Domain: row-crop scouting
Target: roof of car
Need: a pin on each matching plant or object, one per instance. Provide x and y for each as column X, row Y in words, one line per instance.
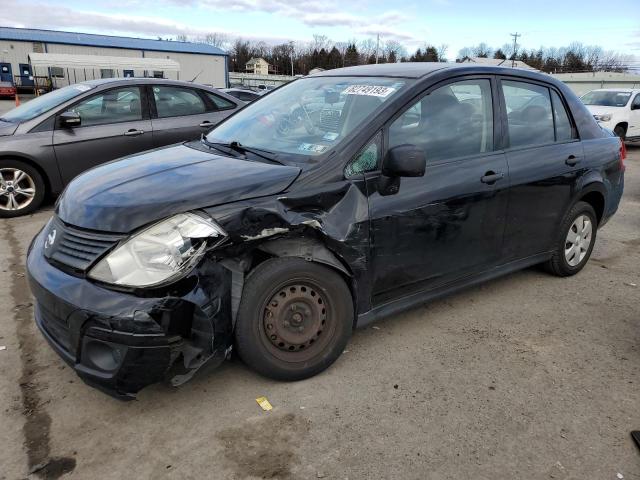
column 124, row 80
column 415, row 69
column 625, row 90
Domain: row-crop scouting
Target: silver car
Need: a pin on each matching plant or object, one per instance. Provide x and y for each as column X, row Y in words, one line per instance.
column 46, row 142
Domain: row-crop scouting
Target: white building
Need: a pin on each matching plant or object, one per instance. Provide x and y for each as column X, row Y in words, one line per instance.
column 187, row 61
column 584, row 82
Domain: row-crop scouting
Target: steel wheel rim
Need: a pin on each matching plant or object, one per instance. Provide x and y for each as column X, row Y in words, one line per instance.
column 17, row 189
column 297, row 321
column 578, row 241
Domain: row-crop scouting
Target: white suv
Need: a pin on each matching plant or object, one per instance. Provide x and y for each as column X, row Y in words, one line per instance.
column 617, row 109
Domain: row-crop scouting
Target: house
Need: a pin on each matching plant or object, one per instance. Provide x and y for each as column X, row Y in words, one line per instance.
column 497, row 62
column 259, row 66
column 113, row 56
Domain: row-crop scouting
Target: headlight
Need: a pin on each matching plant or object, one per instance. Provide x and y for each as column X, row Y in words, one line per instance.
column 605, row 117
column 159, row 253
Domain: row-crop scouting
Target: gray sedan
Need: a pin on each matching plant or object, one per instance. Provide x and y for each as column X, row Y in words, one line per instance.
column 48, row 141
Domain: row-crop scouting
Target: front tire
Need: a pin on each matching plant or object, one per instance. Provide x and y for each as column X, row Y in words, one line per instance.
column 21, row 188
column 294, row 320
column 576, row 239
column 620, row 131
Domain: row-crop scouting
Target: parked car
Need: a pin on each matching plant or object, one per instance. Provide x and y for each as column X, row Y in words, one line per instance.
column 243, row 94
column 7, row 90
column 49, row 140
column 280, row 232
column 617, row 109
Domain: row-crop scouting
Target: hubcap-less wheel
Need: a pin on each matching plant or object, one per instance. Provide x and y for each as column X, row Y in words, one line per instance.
column 295, row 321
column 578, row 240
column 17, row 189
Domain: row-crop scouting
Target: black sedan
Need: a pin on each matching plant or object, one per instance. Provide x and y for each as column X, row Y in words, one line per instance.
column 335, row 200
column 49, row 140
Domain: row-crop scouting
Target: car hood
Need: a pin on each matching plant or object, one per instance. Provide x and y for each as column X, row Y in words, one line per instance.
column 126, row 194
column 7, row 128
column 600, row 110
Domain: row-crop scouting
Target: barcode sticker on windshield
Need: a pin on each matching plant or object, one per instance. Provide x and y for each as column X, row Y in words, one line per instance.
column 371, row 90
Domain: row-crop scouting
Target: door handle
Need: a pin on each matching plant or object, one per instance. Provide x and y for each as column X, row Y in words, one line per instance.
column 491, row 177
column 133, row 132
column 572, row 160
column 206, row 123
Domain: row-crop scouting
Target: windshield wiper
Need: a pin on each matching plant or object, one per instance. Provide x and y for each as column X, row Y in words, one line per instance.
column 238, row 147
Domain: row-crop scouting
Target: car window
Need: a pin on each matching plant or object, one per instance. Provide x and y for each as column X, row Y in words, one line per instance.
column 529, row 114
column 113, row 106
column 636, row 101
column 455, row 120
column 606, row 98
column 177, row 101
column 368, row 159
column 246, row 96
column 564, row 131
column 219, row 102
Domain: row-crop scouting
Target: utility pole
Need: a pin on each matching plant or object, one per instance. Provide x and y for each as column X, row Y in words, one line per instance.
column 377, row 47
column 291, row 51
column 515, row 47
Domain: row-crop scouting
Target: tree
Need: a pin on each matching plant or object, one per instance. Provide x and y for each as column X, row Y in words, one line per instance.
column 351, row 56
column 499, row 54
column 216, row 39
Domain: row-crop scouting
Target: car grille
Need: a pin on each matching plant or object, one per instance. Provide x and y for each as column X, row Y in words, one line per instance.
column 56, row 327
column 75, row 248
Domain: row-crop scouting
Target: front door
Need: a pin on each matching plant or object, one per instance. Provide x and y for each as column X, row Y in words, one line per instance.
column 182, row 114
column 6, row 74
column 634, row 117
column 545, row 158
column 114, row 124
column 26, row 77
column 429, row 231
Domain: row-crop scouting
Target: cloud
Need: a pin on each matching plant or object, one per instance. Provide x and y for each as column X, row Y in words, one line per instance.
column 311, row 13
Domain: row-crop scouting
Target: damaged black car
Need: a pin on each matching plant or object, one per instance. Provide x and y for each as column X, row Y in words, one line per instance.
column 333, row 201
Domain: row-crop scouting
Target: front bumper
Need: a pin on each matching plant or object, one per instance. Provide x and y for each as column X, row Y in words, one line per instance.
column 119, row 342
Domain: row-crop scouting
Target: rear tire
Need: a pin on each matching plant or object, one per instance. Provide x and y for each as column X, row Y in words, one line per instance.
column 576, row 238
column 294, row 320
column 21, row 188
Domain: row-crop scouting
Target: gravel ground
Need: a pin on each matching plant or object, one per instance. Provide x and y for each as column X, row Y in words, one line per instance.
column 528, row 376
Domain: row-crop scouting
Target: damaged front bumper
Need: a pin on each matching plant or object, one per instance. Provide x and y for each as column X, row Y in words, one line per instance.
column 120, row 342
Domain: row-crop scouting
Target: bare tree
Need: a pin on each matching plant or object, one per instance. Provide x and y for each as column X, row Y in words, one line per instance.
column 181, row 38
column 217, row 39
column 442, row 52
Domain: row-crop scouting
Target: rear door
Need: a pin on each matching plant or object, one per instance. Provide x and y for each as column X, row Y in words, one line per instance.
column 183, row 113
column 114, row 123
column 545, row 158
column 429, row 231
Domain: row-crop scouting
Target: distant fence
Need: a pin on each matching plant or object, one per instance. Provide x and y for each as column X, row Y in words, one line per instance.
column 253, row 80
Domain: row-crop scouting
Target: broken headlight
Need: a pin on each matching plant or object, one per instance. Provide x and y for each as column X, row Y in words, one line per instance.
column 158, row 254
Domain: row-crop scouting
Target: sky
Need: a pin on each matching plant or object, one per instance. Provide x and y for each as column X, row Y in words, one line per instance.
column 455, row 23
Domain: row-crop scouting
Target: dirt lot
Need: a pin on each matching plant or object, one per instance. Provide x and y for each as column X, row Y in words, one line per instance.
column 525, row 377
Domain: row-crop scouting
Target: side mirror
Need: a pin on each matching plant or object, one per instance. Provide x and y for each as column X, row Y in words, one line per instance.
column 404, row 161
column 70, row 119
column 635, row 106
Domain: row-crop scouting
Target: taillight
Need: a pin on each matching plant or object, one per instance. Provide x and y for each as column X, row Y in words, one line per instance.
column 623, row 154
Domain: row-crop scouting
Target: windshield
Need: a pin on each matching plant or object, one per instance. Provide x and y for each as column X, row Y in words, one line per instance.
column 307, row 117
column 606, row 99
column 44, row 103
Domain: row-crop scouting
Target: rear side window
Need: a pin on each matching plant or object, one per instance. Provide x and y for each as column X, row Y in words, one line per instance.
column 219, row 102
column 564, row 131
column 112, row 106
column 529, row 114
column 177, row 102
column 453, row 121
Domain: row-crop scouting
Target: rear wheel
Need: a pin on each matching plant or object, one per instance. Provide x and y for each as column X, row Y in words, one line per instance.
column 576, row 239
column 21, row 188
column 294, row 320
